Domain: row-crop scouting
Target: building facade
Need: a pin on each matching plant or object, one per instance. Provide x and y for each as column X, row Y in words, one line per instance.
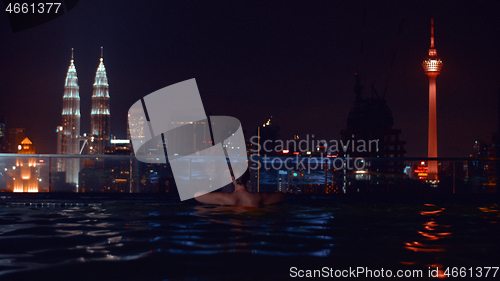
column 99, row 137
column 69, row 142
column 25, row 175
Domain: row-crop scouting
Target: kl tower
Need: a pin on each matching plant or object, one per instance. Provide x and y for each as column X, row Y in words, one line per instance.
column 432, row 66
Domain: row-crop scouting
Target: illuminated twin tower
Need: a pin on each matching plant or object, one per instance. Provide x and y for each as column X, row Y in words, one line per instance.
column 69, row 139
column 432, row 66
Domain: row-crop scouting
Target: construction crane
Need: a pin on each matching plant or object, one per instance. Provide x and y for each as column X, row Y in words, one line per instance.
column 400, row 30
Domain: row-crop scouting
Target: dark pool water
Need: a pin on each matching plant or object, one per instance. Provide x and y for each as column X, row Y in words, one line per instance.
column 115, row 240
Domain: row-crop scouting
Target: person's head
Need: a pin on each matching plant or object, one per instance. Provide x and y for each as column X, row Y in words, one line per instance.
column 244, row 178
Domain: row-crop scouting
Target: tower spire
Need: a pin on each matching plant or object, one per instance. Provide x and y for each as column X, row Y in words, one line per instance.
column 432, row 33
column 100, row 111
column 71, row 53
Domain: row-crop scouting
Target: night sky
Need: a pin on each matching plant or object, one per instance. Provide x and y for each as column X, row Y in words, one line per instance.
column 293, row 60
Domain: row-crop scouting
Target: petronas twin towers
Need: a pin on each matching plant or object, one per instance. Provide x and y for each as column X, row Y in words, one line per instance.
column 99, row 126
column 69, row 139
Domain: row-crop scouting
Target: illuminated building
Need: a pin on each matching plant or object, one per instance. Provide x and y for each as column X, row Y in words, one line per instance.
column 432, row 66
column 60, row 135
column 135, row 127
column 25, row 179
column 121, row 168
column 137, row 121
column 100, row 126
column 60, row 164
column 189, row 136
column 70, row 137
column 263, row 145
column 267, row 134
column 479, row 169
column 120, row 147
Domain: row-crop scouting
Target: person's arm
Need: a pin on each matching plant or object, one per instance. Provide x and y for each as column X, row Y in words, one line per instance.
column 217, row 198
column 273, row 198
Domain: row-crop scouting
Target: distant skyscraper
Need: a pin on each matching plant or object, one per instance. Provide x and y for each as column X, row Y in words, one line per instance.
column 432, row 66
column 137, row 121
column 70, row 139
column 267, row 135
column 371, row 121
column 100, row 116
column 60, row 164
column 264, row 145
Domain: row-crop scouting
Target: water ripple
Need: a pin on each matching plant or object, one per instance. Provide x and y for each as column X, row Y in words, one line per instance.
column 37, row 237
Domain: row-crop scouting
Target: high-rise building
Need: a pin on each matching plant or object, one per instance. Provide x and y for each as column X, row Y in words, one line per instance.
column 371, row 134
column 263, row 144
column 70, row 139
column 60, row 163
column 188, row 137
column 135, row 126
column 100, row 116
column 267, row 135
column 432, row 66
column 60, row 134
column 479, row 170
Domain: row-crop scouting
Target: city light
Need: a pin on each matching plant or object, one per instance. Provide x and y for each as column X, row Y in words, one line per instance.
column 120, row 141
column 432, row 65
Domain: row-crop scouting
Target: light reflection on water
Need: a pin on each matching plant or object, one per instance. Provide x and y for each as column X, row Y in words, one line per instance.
column 438, row 241
column 375, row 235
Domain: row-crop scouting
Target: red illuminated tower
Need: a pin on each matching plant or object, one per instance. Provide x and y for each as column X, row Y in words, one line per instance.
column 432, row 66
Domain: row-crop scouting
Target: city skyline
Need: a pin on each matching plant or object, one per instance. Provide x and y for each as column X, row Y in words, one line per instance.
column 294, row 62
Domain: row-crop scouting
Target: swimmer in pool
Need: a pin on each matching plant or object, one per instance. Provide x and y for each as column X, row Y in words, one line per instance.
column 240, row 196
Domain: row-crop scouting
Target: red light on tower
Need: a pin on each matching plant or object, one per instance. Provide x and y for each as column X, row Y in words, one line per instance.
column 432, row 66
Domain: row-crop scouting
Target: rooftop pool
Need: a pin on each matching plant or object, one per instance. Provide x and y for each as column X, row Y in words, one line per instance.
column 139, row 238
